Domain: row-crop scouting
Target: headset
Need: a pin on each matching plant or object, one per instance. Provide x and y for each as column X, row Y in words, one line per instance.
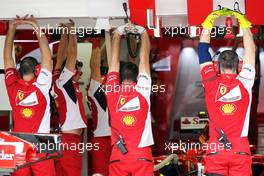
column 35, row 67
column 216, row 63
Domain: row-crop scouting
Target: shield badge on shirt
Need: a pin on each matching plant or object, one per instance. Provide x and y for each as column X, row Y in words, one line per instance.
column 20, row 95
column 223, row 90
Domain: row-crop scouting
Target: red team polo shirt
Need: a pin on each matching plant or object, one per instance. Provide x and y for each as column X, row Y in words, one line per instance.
column 30, row 101
column 228, row 99
column 69, row 99
column 99, row 111
column 129, row 107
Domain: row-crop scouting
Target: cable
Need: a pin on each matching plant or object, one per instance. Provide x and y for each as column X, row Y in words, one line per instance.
column 165, row 161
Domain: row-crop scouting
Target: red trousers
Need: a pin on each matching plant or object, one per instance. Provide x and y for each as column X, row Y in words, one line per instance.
column 101, row 157
column 43, row 168
column 70, row 164
column 134, row 163
column 228, row 164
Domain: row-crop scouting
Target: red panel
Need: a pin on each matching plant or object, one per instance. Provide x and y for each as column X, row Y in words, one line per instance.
column 3, row 27
column 198, row 11
column 7, row 156
column 254, row 11
column 138, row 11
column 23, row 48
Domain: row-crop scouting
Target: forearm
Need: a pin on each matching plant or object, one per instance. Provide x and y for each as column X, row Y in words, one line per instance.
column 114, row 60
column 95, row 64
column 71, row 52
column 249, row 46
column 8, row 59
column 203, row 48
column 62, row 50
column 144, row 65
column 205, row 36
column 46, row 61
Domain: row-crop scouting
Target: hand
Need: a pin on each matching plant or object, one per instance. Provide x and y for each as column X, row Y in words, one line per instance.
column 210, row 19
column 31, row 21
column 68, row 25
column 129, row 27
column 17, row 21
column 243, row 21
column 135, row 29
column 121, row 29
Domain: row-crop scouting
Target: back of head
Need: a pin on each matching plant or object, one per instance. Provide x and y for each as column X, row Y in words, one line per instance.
column 28, row 66
column 128, row 71
column 228, row 60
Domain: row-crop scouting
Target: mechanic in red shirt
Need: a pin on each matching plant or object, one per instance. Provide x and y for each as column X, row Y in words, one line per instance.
column 28, row 91
column 99, row 112
column 69, row 100
column 228, row 100
column 128, row 90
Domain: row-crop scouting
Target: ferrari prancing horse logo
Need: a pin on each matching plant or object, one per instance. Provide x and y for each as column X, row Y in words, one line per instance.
column 20, row 95
column 223, row 90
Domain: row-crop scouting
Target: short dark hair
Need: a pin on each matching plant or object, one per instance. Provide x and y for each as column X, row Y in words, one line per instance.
column 28, row 65
column 128, row 71
column 228, row 59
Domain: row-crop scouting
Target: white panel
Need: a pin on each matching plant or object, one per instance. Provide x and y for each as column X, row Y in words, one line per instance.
column 4, row 103
column 229, row 4
column 171, row 7
column 84, row 55
column 169, row 21
column 2, row 42
column 62, row 8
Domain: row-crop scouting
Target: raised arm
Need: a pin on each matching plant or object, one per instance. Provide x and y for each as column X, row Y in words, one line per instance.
column 8, row 59
column 95, row 64
column 62, row 50
column 71, row 52
column 250, row 49
column 248, row 41
column 46, row 61
column 203, row 48
column 114, row 63
column 144, row 66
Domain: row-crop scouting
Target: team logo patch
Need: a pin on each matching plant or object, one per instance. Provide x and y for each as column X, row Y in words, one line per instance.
column 228, row 94
column 128, row 103
column 26, row 98
column 228, row 109
column 129, row 120
column 27, row 113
